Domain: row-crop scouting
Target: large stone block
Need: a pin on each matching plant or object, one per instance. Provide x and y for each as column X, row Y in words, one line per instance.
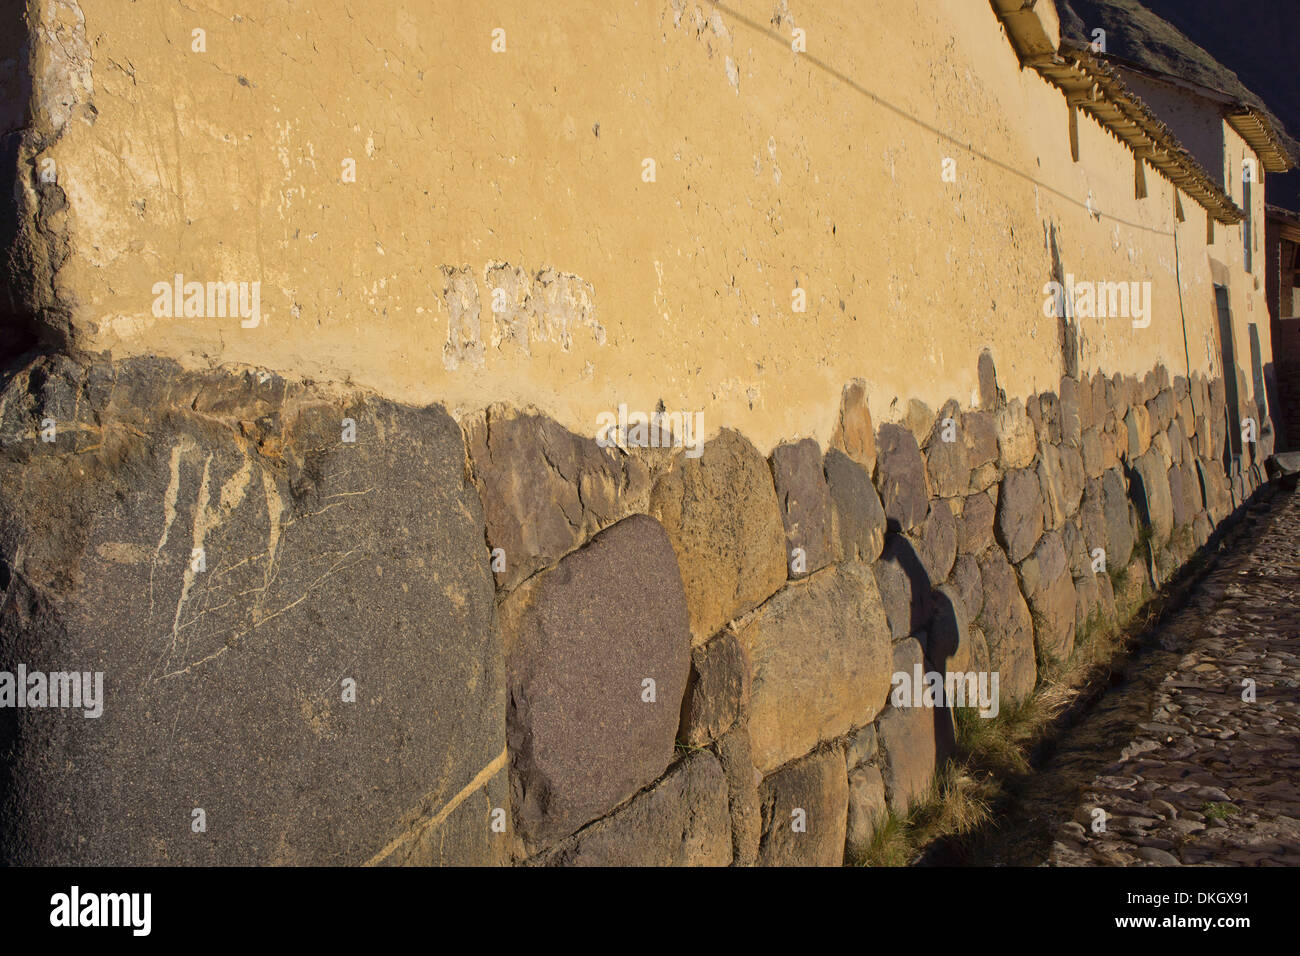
column 859, row 516
column 854, row 434
column 236, row 568
column 1184, row 494
column 1149, row 485
column 805, row 812
column 965, row 578
column 1138, row 425
column 546, row 490
column 914, row 739
column 949, row 622
column 736, row 755
column 937, row 541
column 1071, row 424
column 1017, row 441
column 718, row 691
column 900, row 477
column 1120, row 537
column 946, row 460
column 991, row 396
column 904, row 587
column 805, row 503
column 1072, row 479
column 721, row 513
column 1051, row 483
column 1007, row 626
column 1094, row 456
column 681, row 821
column 1049, row 590
column 1045, row 412
column 1214, row 489
column 975, row 526
column 867, row 809
column 1020, row 513
column 582, row 640
column 1092, row 518
column 979, row 432
column 819, row 653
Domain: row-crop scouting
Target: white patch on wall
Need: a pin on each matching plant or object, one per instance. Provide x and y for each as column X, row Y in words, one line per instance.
column 524, row 310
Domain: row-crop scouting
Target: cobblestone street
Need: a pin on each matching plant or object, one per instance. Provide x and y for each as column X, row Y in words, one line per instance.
column 1211, row 776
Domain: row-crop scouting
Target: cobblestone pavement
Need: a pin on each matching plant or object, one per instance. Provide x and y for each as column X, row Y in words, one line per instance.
column 1212, row 777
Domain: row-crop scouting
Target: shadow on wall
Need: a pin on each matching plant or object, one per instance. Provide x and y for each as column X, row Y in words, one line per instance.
column 917, row 608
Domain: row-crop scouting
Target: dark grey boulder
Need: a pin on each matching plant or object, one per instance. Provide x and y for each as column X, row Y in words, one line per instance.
column 584, row 639
column 214, row 545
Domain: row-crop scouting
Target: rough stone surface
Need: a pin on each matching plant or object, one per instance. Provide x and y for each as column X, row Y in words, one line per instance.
column 1019, row 521
column 867, row 808
column 819, row 653
column 1138, row 424
column 859, row 516
column 1149, row 484
column 582, row 737
column 718, row 690
column 949, row 620
column 1071, row 424
column 979, row 432
column 904, row 587
column 860, row 747
column 1092, row 518
column 1050, row 481
column 1049, row 590
column 1184, row 490
column 1007, row 626
column 900, row 477
column 965, row 578
column 1072, row 479
column 1094, row 458
column 937, row 541
column 1049, row 418
column 721, row 513
column 818, row 786
column 1017, row 441
column 1120, row 537
column 990, row 395
column 682, row 820
column 854, row 434
column 1191, row 774
column 546, row 490
column 975, row 526
column 321, row 560
column 947, row 462
column 1214, row 489
column 736, row 756
column 914, row 740
column 805, row 503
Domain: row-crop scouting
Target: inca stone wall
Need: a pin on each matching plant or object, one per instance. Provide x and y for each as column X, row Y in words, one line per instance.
column 308, row 320
column 558, row 653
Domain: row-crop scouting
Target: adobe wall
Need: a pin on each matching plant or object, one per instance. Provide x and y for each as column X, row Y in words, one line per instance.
column 385, row 485
column 522, row 171
column 558, row 653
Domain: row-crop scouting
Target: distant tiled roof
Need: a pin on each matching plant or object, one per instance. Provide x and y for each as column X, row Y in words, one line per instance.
column 1094, row 86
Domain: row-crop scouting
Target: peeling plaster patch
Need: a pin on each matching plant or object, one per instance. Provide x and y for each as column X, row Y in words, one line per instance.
column 549, row 306
column 508, row 290
column 64, row 61
column 460, row 299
